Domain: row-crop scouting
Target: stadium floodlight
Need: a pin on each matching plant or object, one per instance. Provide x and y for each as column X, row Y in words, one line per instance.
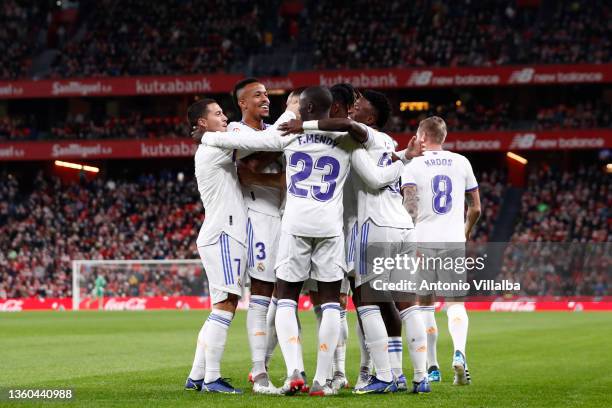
column 516, row 157
column 77, row 166
column 95, row 281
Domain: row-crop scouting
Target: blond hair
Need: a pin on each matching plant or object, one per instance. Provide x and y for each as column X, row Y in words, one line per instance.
column 433, row 129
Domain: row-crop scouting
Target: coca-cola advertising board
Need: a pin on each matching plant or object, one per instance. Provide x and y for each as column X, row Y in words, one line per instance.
column 526, row 304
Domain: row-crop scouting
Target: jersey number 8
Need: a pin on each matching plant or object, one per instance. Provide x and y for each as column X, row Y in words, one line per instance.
column 442, row 187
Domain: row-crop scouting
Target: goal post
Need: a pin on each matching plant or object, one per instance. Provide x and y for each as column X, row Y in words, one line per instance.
column 103, row 280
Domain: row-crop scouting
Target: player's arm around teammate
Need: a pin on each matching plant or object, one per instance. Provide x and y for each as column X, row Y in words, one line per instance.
column 220, row 244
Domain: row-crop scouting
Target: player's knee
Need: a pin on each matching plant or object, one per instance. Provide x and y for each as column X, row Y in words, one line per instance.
column 288, row 290
column 329, row 292
column 261, row 288
column 229, row 304
column 405, row 304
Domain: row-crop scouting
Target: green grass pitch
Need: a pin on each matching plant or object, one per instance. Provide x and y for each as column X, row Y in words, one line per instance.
column 141, row 359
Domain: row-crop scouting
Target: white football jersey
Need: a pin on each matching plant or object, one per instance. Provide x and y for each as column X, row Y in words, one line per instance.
column 442, row 178
column 215, row 171
column 383, row 206
column 266, row 200
column 349, row 202
column 317, row 168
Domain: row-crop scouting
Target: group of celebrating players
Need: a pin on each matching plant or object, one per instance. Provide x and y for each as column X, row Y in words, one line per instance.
column 295, row 206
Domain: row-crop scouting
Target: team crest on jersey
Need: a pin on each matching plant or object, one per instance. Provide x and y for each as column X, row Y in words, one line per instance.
column 385, row 160
column 261, row 267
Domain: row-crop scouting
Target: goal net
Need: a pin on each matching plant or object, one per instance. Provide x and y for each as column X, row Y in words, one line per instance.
column 139, row 284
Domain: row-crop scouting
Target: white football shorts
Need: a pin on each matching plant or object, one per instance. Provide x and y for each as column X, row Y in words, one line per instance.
column 300, row 258
column 263, row 233
column 377, row 242
column 225, row 264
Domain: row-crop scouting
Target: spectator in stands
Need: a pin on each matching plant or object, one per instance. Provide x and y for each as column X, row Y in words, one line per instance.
column 41, row 232
column 460, row 116
column 477, row 116
column 118, row 38
column 559, row 244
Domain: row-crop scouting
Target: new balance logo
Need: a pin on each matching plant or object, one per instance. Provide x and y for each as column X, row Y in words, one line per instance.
column 420, row 78
column 523, row 141
column 522, row 76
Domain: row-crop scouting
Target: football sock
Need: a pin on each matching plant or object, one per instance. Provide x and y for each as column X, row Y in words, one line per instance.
column 198, row 369
column 256, row 330
column 431, row 328
column 458, row 325
column 299, row 323
column 271, row 339
column 215, row 337
column 288, row 334
column 395, row 355
column 328, row 340
column 416, row 339
column 376, row 340
column 364, row 354
column 318, row 314
column 340, row 354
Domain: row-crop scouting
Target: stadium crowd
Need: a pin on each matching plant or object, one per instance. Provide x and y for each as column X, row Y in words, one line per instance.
column 135, row 126
column 22, row 21
column 476, row 116
column 45, row 229
column 561, row 243
column 136, row 37
column 492, row 185
column 465, row 116
column 366, row 33
column 144, row 280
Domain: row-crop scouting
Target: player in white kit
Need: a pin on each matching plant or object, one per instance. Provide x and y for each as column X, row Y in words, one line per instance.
column 383, row 219
column 435, row 188
column 262, row 198
column 344, row 96
column 312, row 242
column 221, row 244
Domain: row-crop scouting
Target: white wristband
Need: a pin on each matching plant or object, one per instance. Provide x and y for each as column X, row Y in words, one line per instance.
column 402, row 156
column 310, row 125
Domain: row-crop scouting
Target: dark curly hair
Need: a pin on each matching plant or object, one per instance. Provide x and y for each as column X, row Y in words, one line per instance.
column 344, row 93
column 381, row 104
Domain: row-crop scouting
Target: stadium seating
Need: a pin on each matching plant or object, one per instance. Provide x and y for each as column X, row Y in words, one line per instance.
column 181, row 37
column 26, row 22
column 557, row 246
column 43, row 230
column 112, row 218
column 476, row 116
column 458, row 33
column 466, row 117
